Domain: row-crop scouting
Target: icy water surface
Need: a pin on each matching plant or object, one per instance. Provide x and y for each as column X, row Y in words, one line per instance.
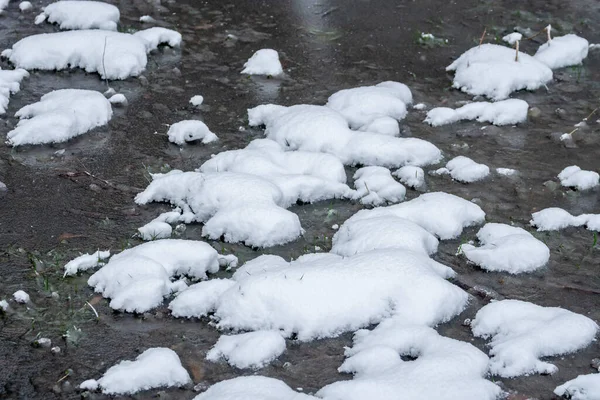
column 59, row 203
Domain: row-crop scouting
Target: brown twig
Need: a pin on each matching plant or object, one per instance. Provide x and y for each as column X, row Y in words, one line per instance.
column 482, row 36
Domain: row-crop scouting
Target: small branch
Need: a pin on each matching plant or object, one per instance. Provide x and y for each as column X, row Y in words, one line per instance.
column 103, row 65
column 93, row 309
column 517, row 53
column 482, row 36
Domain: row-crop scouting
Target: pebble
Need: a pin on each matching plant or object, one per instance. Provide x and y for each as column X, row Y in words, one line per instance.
column 534, row 112
column 596, row 363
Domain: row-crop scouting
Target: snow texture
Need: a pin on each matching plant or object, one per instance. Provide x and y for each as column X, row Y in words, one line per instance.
column 10, row 84
column 521, row 333
column 579, row 179
column 59, row 116
column 155, row 230
column 199, row 299
column 512, row 38
column 491, row 70
column 554, row 219
column 506, row 171
column 248, row 350
column 24, row 6
column 584, row 387
column 505, row 112
column 138, row 279
column 252, row 388
column 113, row 55
column 563, row 51
column 85, row 262
column 263, row 62
column 441, row 214
column 411, row 176
column 21, row 296
column 118, row 100
column 75, row 14
column 444, row 368
column 322, row 129
column 154, row 368
column 373, row 108
column 465, row 170
column 507, row 248
column 189, row 131
column 197, row 100
column 375, row 186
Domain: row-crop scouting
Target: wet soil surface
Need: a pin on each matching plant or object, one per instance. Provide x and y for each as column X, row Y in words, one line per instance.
column 60, row 204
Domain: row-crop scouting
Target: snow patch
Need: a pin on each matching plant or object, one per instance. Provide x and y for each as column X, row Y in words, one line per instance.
column 575, row 177
column 252, row 388
column 24, row 6
column 248, row 350
column 189, row 131
column 505, row 112
column 411, row 176
column 263, row 62
column 197, row 100
column 85, row 262
column 465, row 170
column 554, row 219
column 21, row 296
column 584, row 387
column 375, row 186
column 74, row 14
column 10, row 84
column 563, row 51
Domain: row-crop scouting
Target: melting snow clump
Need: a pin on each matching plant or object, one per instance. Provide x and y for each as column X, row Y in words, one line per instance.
column 521, row 333
column 512, row 38
column 465, row 170
column 85, row 262
column 75, row 14
column 59, row 116
column 507, row 248
column 118, row 100
column 584, row 387
column 411, row 176
column 505, row 112
column 154, row 368
column 21, row 296
column 24, row 6
column 10, row 84
column 197, row 100
column 189, row 131
column 252, row 388
column 375, row 186
column 563, row 51
column 575, row 177
column 248, row 350
column 554, row 219
column 506, row 171
column 263, row 62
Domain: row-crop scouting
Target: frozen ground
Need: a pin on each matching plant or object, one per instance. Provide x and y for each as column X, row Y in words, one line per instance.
column 74, row 198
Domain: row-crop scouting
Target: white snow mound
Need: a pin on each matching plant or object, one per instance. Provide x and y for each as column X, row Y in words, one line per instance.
column 10, row 84
column 563, row 51
column 75, row 14
column 248, row 350
column 505, row 112
column 21, row 296
column 554, row 219
column 197, row 100
column 507, row 248
column 584, row 387
column 154, row 368
column 521, row 333
column 59, row 116
column 263, row 62
column 491, row 70
column 85, row 262
column 189, row 131
column 575, row 177
column 375, row 186
column 252, row 388
column 465, row 170
column 411, row 176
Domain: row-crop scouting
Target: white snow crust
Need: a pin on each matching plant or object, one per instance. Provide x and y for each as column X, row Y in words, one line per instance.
column 21, row 296
column 491, row 70
column 575, row 177
column 465, row 170
column 10, row 84
column 154, row 368
column 505, row 112
column 189, row 131
column 563, row 51
column 554, row 219
column 521, row 333
column 507, row 248
column 584, row 387
column 85, row 262
column 252, row 388
column 375, row 186
column 512, row 38
column 59, row 116
column 248, row 350
column 197, row 100
column 263, row 62
column 75, row 14
column 411, row 176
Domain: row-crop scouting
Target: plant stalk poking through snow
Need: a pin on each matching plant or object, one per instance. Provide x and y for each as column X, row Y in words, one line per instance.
column 517, row 53
column 482, row 36
column 103, row 65
column 548, row 32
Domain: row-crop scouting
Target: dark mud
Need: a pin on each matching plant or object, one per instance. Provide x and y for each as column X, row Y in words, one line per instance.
column 60, row 204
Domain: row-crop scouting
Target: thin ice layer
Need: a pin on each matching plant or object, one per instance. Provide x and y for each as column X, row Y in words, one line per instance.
column 59, row 116
column 443, row 368
column 505, row 112
column 491, row 70
column 522, row 333
column 324, row 130
column 507, row 248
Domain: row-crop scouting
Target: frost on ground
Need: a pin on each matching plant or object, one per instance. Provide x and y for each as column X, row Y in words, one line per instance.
column 252, row 388
column 375, row 186
column 197, row 100
column 465, row 170
column 411, row 176
column 85, row 262
column 10, row 84
column 21, row 296
column 322, row 129
column 554, row 219
column 113, row 55
column 59, row 116
column 563, row 51
column 491, row 70
column 324, row 295
column 139, row 278
column 507, row 248
column 444, row 368
column 441, row 214
column 373, row 108
column 75, row 14
column 505, row 112
column 579, row 179
column 584, row 387
column 248, row 350
column 154, row 368
column 300, row 175
column 506, row 171
column 263, row 62
column 521, row 333
column 190, row 131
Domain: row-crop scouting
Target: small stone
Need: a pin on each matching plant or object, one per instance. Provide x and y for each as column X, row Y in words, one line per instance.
column 179, row 229
column 551, row 185
column 95, row 188
column 596, row 363
column 55, row 350
column 201, row 387
column 287, row 365
column 534, row 112
column 467, row 322
column 55, row 295
column 56, row 389
column 561, row 113
column 143, row 80
column 176, row 71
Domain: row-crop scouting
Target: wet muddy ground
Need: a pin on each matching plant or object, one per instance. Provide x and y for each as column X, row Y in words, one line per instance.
column 60, row 204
